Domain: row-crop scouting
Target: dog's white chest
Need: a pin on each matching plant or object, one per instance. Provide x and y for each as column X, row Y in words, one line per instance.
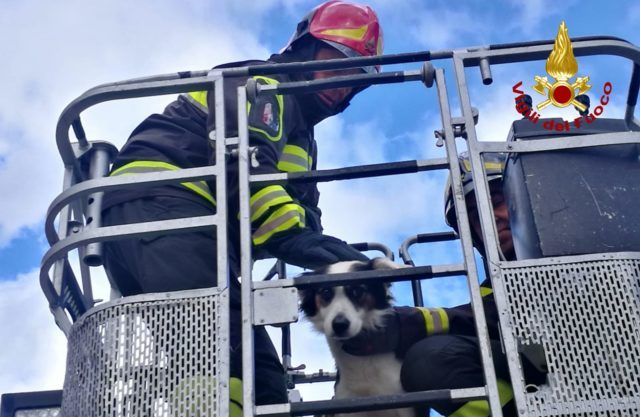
column 362, row 376
column 365, row 376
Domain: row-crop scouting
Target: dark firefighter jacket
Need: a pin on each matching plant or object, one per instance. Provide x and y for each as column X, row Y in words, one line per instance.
column 283, row 217
column 417, row 323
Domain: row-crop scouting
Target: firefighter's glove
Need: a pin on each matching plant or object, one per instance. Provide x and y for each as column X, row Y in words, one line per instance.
column 399, row 330
column 310, row 249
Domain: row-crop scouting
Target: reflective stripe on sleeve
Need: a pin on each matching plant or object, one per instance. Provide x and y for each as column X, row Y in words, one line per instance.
column 140, row 167
column 436, row 320
column 480, row 408
column 235, row 397
column 198, row 99
column 267, row 197
column 286, row 217
column 484, row 291
column 294, row 159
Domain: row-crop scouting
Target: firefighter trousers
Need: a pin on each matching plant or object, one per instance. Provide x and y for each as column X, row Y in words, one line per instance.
column 182, row 261
column 453, row 361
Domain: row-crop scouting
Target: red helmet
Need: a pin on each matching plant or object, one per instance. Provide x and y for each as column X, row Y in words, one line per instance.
column 352, row 29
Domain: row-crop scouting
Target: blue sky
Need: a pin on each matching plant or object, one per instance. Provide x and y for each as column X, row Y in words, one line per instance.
column 56, row 50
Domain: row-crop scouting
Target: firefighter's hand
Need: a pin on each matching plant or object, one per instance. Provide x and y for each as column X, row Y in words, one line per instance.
column 383, row 339
column 310, row 249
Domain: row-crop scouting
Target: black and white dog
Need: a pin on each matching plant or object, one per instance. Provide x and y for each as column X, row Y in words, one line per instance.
column 341, row 313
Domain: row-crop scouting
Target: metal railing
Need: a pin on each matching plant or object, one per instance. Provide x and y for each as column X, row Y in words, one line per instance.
column 86, row 163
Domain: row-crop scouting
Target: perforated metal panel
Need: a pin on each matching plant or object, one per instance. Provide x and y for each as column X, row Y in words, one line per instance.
column 149, row 356
column 586, row 317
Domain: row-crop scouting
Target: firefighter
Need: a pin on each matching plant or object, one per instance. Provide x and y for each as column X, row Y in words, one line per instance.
column 285, row 219
column 439, row 346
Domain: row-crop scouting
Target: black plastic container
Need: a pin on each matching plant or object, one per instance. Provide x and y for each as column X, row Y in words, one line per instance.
column 573, row 201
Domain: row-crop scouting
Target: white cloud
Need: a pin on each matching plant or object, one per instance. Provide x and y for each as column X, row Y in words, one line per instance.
column 57, row 51
column 529, row 16
column 446, row 28
column 33, row 353
column 69, row 47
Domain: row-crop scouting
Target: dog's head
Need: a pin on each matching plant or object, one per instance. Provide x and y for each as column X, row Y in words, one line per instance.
column 341, row 312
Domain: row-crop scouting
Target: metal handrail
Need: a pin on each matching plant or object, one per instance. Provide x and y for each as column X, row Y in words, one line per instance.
column 482, row 57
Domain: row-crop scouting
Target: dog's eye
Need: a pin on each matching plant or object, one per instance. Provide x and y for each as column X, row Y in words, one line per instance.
column 356, row 293
column 326, row 294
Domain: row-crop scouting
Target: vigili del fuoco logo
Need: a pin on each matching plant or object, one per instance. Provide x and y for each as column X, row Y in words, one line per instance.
column 561, row 66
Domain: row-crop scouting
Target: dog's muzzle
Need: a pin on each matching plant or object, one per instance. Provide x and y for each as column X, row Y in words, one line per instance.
column 340, row 325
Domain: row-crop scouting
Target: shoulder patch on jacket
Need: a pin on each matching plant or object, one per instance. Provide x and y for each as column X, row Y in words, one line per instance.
column 265, row 115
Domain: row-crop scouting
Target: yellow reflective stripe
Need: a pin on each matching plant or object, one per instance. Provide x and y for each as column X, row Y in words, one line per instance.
column 285, row 218
column 287, row 166
column 235, row 397
column 199, row 99
column 280, row 100
column 355, row 34
column 428, row 319
column 141, row 167
column 295, row 150
column 444, row 319
column 267, row 197
column 480, row 408
column 294, row 159
column 484, row 291
column 235, row 410
column 487, row 165
column 435, row 320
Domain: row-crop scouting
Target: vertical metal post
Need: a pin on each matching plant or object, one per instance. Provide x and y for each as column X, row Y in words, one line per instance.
column 632, row 98
column 221, row 182
column 467, row 248
column 98, row 168
column 60, row 266
column 416, row 288
column 85, row 276
column 489, row 234
column 63, row 230
column 221, row 242
column 281, row 267
column 245, row 257
column 416, row 285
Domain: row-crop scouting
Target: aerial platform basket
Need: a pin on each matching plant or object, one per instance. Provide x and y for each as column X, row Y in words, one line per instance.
column 152, row 355
column 579, row 314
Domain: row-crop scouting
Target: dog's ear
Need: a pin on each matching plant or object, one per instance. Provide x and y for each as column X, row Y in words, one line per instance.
column 308, row 301
column 381, row 294
column 384, row 263
column 308, row 296
column 379, row 291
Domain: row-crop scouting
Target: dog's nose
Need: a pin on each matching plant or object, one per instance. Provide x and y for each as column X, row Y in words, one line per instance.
column 340, row 324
